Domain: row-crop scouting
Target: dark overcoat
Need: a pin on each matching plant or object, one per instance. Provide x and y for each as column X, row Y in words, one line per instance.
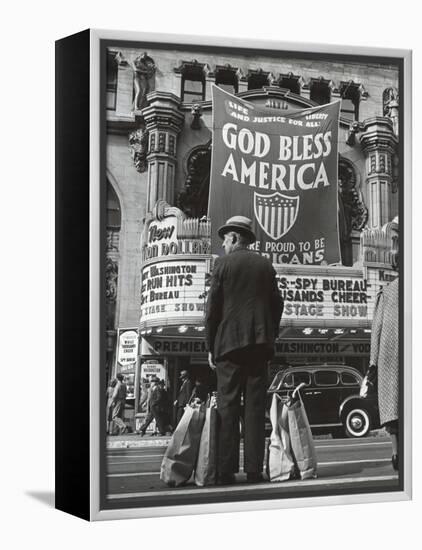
column 244, row 305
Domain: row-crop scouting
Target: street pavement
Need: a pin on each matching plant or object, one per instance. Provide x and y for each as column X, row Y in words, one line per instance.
column 344, row 465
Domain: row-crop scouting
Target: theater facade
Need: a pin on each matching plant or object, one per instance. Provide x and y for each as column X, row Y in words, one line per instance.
column 158, row 259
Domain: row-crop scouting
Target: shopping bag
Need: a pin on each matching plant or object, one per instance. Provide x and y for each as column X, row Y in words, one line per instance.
column 206, row 466
column 302, row 443
column 280, row 460
column 181, row 454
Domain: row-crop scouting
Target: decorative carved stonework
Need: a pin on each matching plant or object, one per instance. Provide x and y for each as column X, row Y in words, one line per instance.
column 144, row 71
column 196, row 112
column 378, row 247
column 138, row 146
column 354, row 129
column 276, row 104
column 120, row 59
column 172, row 146
column 161, row 142
column 390, row 102
column 111, row 272
column 112, row 241
column 354, row 206
column 193, row 200
column 372, row 164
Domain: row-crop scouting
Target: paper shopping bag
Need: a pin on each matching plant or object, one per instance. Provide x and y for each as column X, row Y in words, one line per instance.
column 302, row 443
column 206, row 466
column 280, row 459
column 181, row 454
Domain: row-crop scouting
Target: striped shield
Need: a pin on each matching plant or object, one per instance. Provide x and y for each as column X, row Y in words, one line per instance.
column 276, row 213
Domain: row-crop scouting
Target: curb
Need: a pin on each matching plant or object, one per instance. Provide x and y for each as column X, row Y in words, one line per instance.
column 136, row 442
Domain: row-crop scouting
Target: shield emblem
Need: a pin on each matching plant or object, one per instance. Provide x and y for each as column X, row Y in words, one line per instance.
column 276, row 213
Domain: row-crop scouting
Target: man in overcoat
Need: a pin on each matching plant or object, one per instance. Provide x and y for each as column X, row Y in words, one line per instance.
column 155, row 408
column 243, row 314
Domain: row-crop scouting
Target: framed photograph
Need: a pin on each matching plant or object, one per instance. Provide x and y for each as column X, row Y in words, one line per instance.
column 233, row 275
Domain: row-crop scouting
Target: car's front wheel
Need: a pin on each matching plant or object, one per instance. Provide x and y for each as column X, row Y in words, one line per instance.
column 357, row 422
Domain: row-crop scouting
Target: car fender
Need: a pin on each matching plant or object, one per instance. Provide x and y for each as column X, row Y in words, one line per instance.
column 355, row 400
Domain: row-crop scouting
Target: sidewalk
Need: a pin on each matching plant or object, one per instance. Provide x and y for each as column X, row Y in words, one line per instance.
column 127, row 441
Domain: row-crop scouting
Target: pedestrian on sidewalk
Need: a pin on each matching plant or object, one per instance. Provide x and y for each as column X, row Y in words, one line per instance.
column 384, row 359
column 155, row 409
column 109, row 407
column 183, row 396
column 243, row 314
column 118, row 403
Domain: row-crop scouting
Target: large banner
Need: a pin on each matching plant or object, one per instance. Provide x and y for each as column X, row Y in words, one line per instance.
column 278, row 168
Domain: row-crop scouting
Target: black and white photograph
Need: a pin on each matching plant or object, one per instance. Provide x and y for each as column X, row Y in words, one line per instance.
column 211, row 228
column 253, row 299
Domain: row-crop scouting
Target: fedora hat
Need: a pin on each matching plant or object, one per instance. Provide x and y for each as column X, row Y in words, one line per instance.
column 240, row 224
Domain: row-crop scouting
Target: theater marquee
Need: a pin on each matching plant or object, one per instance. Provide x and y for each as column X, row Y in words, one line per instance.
column 173, row 291
column 326, row 296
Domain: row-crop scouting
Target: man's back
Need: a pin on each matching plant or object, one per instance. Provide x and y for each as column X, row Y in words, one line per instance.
column 244, row 304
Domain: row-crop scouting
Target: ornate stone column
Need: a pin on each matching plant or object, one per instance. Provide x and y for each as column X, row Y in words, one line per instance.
column 163, row 122
column 379, row 144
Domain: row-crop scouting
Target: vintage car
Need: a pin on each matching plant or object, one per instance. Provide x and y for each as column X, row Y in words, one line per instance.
column 331, row 399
